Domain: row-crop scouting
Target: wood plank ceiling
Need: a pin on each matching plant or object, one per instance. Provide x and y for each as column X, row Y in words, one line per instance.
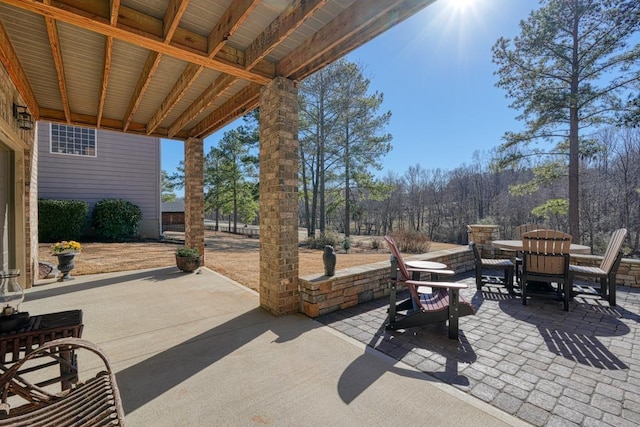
column 174, row 68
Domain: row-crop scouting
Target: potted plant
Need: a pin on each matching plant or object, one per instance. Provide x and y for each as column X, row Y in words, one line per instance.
column 188, row 259
column 66, row 251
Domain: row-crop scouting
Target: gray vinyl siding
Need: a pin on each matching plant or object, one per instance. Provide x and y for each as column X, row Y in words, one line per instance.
column 125, row 167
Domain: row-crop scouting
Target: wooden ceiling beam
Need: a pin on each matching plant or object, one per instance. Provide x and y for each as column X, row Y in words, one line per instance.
column 222, row 83
column 56, row 53
column 288, row 21
column 400, row 12
column 350, row 22
column 172, row 18
column 144, row 80
column 235, row 15
column 190, row 74
column 11, row 63
column 245, row 100
column 146, row 39
column 57, row 116
column 108, row 55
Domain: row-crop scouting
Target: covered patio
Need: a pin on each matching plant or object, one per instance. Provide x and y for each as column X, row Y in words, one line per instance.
column 197, row 350
column 177, row 69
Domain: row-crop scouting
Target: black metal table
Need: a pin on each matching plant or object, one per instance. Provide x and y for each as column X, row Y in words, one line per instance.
column 40, row 329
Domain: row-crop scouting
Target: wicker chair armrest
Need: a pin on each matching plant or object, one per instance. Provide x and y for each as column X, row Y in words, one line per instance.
column 12, row 382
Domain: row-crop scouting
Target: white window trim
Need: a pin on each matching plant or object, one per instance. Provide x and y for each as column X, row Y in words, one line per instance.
column 95, row 138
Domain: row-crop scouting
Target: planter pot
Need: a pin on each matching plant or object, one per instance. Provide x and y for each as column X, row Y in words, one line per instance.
column 188, row 264
column 65, row 265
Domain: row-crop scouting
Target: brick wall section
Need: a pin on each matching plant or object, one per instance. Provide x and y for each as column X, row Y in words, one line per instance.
column 279, row 197
column 22, row 143
column 321, row 294
column 194, row 194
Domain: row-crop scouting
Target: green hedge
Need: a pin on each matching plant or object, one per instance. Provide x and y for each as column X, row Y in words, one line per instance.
column 61, row 219
column 116, row 220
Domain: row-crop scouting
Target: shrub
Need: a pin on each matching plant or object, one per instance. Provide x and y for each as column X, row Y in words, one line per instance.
column 412, row 242
column 116, row 220
column 324, row 239
column 61, row 219
column 187, row 252
column 376, row 243
column 346, row 244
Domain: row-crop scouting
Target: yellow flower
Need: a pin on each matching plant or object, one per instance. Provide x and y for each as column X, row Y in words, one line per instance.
column 66, row 246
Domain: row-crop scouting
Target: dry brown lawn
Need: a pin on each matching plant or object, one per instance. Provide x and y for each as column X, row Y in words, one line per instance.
column 233, row 256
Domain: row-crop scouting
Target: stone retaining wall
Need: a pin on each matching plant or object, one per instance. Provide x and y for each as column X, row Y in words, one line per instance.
column 321, row 294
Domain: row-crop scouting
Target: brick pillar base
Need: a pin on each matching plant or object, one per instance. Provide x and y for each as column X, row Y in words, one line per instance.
column 279, row 292
column 194, row 194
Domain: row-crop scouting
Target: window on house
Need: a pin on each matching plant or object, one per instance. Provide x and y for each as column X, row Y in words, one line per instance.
column 73, row 140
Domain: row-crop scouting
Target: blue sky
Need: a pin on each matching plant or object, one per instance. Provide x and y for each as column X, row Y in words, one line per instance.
column 436, row 74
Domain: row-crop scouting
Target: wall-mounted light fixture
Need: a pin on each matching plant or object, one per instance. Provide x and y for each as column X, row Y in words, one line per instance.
column 24, row 119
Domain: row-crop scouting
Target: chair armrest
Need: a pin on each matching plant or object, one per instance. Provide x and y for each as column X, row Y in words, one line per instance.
column 432, row 270
column 12, row 382
column 448, row 285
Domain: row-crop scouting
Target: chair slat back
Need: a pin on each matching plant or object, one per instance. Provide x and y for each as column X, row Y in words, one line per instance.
column 404, row 272
column 615, row 244
column 546, row 251
column 396, row 253
column 525, row 228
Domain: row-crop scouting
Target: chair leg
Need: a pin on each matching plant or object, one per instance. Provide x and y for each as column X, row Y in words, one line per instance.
column 508, row 272
column 478, row 278
column 603, row 288
column 567, row 285
column 611, row 285
column 523, row 290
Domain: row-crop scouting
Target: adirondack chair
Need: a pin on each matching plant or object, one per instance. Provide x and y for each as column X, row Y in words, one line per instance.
column 95, row 402
column 546, row 260
column 606, row 272
column 518, row 232
column 494, row 264
column 429, row 301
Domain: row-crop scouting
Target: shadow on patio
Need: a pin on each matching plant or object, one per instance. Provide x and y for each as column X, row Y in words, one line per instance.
column 195, row 349
column 537, row 362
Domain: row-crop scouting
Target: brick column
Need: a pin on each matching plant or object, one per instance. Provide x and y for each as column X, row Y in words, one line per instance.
column 194, row 194
column 279, row 292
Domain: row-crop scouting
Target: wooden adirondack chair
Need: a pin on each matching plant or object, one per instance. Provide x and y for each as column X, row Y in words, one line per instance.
column 429, row 301
column 606, row 272
column 546, row 259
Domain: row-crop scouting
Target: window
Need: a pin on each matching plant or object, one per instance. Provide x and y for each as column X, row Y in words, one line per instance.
column 73, row 140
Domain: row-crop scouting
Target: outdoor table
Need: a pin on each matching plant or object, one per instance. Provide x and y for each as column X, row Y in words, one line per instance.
column 429, row 265
column 14, row 345
column 516, row 246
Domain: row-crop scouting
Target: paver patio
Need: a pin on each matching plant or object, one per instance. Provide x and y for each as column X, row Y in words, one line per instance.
column 537, row 362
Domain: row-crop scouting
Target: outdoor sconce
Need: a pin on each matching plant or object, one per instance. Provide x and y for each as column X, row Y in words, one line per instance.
column 24, row 119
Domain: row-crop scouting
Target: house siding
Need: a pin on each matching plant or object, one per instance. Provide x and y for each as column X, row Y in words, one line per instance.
column 125, row 167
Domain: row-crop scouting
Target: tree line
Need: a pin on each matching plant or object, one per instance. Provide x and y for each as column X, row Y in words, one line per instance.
column 573, row 74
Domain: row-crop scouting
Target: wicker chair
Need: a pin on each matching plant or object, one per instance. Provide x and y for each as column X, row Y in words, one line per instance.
column 95, row 402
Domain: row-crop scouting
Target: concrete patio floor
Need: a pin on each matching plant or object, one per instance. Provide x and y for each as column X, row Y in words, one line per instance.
column 542, row 364
column 196, row 350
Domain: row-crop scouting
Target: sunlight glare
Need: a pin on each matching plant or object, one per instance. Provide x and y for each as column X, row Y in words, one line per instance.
column 461, row 5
